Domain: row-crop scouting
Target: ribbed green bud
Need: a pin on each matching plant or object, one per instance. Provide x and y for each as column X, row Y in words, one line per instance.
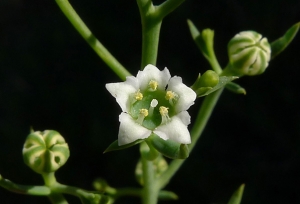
column 249, row 53
column 45, row 152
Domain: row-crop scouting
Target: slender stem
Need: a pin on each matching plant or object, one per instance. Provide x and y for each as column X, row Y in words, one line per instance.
column 50, row 181
column 151, row 31
column 84, row 31
column 151, row 17
column 24, row 189
column 203, row 116
column 150, row 190
column 214, row 62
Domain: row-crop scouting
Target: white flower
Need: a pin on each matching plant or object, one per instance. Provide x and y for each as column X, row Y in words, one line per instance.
column 153, row 102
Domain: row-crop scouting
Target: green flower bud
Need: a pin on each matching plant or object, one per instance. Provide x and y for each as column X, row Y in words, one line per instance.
column 209, row 79
column 249, row 53
column 45, row 152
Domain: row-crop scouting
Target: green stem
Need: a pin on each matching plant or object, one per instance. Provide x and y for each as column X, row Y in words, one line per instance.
column 24, row 189
column 150, row 190
column 84, row 31
column 50, row 181
column 151, row 17
column 151, row 31
column 204, row 114
column 57, row 198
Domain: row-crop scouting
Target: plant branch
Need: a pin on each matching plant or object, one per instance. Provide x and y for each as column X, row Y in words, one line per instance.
column 24, row 189
column 84, row 31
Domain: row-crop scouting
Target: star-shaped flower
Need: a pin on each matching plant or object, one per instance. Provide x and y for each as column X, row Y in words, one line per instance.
column 153, row 102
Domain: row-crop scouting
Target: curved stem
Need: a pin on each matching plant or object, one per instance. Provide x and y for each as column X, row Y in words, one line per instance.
column 203, row 116
column 84, row 31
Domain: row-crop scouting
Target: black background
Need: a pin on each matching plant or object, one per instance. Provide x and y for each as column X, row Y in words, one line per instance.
column 51, row 79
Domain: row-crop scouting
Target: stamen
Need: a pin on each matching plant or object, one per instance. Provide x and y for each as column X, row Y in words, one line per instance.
column 138, row 95
column 171, row 96
column 153, row 85
column 164, row 114
column 153, row 104
column 142, row 115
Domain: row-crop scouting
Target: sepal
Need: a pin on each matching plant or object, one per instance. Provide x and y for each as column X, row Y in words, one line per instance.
column 235, row 88
column 280, row 44
column 169, row 148
column 115, row 146
column 204, row 40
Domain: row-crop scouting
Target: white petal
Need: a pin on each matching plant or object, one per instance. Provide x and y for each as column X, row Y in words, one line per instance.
column 122, row 91
column 185, row 117
column 175, row 130
column 151, row 72
column 186, row 95
column 130, row 131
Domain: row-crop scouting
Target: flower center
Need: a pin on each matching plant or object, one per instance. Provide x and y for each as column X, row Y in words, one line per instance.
column 153, row 106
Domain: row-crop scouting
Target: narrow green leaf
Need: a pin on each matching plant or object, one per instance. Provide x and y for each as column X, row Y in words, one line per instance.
column 280, row 44
column 236, row 198
column 115, row 146
column 194, row 31
column 235, row 88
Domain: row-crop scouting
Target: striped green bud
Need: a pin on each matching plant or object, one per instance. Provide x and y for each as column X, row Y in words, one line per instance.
column 249, row 53
column 46, row 151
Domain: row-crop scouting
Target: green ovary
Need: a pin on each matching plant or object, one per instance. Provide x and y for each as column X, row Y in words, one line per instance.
column 152, row 120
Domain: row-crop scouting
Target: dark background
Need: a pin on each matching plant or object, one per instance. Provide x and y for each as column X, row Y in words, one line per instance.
column 51, row 79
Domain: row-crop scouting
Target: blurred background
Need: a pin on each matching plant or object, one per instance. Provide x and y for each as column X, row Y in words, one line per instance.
column 51, row 79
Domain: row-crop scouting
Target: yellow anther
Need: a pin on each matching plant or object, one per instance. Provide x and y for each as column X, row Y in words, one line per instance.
column 163, row 111
column 142, row 115
column 153, row 85
column 170, row 95
column 144, row 112
column 138, row 95
column 164, row 114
